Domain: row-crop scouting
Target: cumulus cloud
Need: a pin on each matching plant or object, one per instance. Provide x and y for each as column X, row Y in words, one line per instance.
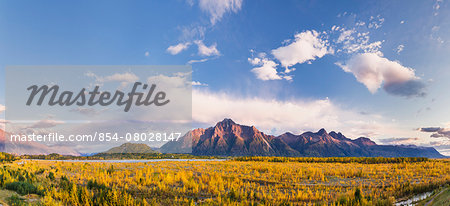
column 176, row 49
column 177, row 80
column 204, row 50
column 436, row 131
column 197, row 83
column 192, row 61
column 124, row 78
column 410, row 88
column 45, row 123
column 2, row 124
column 305, row 47
column 266, row 70
column 373, row 70
column 217, row 8
column 275, row 116
column 2, row 108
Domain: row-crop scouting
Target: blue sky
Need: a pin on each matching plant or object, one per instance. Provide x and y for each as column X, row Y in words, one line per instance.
column 366, row 68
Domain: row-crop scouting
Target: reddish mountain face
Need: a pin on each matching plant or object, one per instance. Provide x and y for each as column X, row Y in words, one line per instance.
column 227, row 138
column 32, row 147
column 2, row 135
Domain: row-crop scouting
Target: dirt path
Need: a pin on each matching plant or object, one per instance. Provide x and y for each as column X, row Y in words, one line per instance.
column 426, row 204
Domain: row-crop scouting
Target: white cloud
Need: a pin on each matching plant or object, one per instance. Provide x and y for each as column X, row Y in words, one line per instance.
column 197, row 83
column 400, row 48
column 192, row 61
column 436, row 7
column 87, row 111
column 2, row 124
column 175, row 49
column 178, row 80
column 204, row 50
column 267, row 69
column 360, row 23
column 124, row 78
column 346, row 35
column 372, row 70
column 401, row 141
column 217, row 8
column 45, row 123
column 275, row 116
column 2, row 121
column 351, row 41
column 191, row 32
column 375, row 22
column 306, row 46
column 435, row 28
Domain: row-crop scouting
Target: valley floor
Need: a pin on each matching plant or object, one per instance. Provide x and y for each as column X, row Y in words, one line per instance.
column 219, row 182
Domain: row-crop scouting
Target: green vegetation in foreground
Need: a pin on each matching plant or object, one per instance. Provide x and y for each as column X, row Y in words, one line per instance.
column 5, row 195
column 248, row 181
column 7, row 158
column 362, row 160
column 442, row 199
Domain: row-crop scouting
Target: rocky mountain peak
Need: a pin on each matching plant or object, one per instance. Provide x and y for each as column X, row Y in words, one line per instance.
column 226, row 123
column 322, row 132
column 364, row 141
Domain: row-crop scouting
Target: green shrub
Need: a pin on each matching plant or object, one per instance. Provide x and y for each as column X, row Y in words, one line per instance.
column 22, row 188
column 15, row 200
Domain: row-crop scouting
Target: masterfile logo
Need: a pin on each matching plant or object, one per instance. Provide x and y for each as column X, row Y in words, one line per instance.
column 89, row 106
column 105, row 98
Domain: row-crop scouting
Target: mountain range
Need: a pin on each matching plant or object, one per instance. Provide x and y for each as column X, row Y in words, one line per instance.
column 130, row 148
column 227, row 138
column 31, row 147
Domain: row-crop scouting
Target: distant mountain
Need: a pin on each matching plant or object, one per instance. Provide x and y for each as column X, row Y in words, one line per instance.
column 227, row 138
column 21, row 148
column 130, row 148
column 88, row 154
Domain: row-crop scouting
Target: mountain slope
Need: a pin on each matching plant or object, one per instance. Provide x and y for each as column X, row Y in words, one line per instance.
column 21, row 148
column 130, row 148
column 227, row 138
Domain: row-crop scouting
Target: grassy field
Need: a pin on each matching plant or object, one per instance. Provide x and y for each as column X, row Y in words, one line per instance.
column 440, row 197
column 221, row 182
column 4, row 195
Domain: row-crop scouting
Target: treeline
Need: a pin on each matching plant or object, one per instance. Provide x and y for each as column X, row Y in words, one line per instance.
column 363, row 160
column 6, row 158
column 116, row 156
